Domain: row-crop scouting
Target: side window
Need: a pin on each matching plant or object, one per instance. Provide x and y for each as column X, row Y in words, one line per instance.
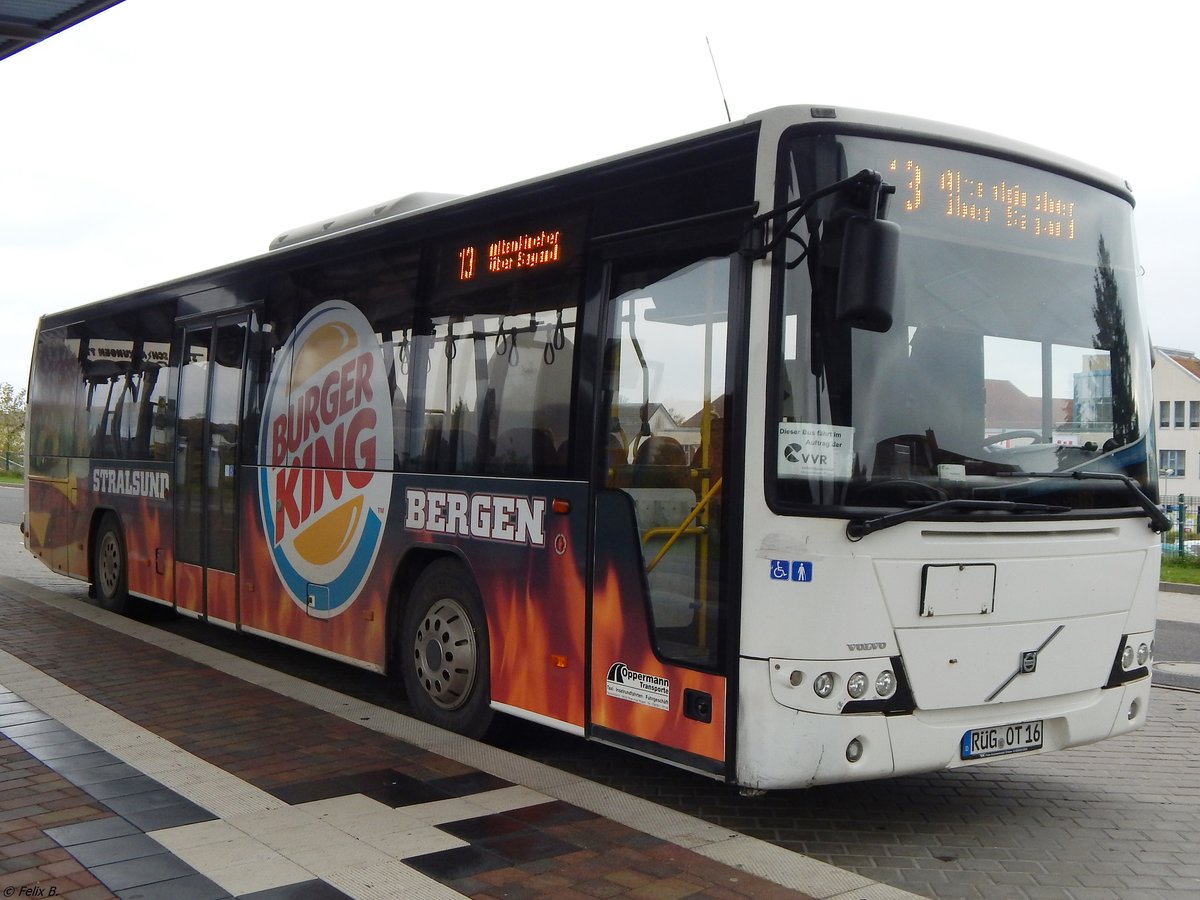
column 103, row 396
column 145, row 426
column 497, row 396
column 477, row 342
column 493, row 354
column 55, row 397
column 100, row 387
column 382, row 285
column 396, row 343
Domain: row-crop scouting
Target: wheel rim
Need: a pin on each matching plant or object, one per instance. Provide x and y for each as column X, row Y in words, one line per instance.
column 444, row 652
column 108, row 566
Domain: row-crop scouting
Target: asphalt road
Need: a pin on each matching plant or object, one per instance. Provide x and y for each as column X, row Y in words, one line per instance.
column 12, row 504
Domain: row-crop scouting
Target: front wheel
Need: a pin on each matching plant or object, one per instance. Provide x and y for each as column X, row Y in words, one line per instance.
column 442, row 651
column 110, row 572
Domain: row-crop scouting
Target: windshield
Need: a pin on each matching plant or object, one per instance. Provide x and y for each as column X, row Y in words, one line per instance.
column 1016, row 349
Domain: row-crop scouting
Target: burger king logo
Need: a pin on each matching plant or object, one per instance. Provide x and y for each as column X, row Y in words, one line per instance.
column 325, row 451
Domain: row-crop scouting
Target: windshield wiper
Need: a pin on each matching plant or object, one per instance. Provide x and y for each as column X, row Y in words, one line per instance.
column 1159, row 521
column 857, row 529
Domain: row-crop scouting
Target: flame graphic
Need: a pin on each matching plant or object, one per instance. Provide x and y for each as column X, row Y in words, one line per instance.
column 63, row 520
column 621, row 633
column 266, row 606
column 535, row 599
column 536, row 612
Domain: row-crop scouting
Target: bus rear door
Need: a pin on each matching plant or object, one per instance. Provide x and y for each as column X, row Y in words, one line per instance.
column 206, row 467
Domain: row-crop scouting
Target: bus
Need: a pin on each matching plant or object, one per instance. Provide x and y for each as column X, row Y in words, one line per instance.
column 814, row 447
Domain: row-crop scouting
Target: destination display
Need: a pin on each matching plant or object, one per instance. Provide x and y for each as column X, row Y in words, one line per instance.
column 981, row 198
column 503, row 253
column 971, row 198
column 522, row 251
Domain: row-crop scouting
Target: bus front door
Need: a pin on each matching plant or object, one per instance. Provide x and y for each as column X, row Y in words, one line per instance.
column 658, row 678
column 206, row 468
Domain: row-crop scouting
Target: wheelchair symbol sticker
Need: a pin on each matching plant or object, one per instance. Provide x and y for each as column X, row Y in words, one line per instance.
column 791, row 570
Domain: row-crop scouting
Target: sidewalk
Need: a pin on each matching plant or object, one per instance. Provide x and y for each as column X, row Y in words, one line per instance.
column 137, row 764
column 1179, row 603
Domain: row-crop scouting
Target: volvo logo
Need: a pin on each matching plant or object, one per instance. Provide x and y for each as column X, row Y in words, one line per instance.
column 1027, row 664
column 872, row 645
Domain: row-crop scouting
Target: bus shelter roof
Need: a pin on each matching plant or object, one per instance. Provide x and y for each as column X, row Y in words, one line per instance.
column 24, row 23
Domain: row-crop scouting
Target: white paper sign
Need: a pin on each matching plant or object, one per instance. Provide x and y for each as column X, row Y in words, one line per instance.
column 815, row 451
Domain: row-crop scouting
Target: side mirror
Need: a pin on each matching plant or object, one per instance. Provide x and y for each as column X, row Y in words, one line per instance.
column 867, row 283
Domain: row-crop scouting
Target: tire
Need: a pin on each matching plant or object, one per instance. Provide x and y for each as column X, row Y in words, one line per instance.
column 110, row 566
column 442, row 651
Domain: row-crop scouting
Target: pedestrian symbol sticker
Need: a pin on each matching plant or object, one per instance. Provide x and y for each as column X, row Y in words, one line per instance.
column 791, row 570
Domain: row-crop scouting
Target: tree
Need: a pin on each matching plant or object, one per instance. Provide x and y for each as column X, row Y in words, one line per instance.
column 12, row 424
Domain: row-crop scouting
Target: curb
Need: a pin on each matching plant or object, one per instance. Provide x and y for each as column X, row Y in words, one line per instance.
column 1176, row 588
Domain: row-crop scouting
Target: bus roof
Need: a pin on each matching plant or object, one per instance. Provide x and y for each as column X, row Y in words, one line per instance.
column 770, row 123
column 780, row 117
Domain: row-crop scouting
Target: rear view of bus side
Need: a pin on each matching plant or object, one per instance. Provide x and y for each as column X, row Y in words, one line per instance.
column 812, row 448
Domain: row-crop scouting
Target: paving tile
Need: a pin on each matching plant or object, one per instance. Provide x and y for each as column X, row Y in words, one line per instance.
column 92, row 759
column 123, row 787
column 485, row 827
column 413, row 841
column 114, row 771
column 184, row 813
column 156, row 798
column 120, row 876
column 117, row 849
column 24, row 717
column 260, row 875
column 528, row 846
column 187, row 887
column 51, row 738
column 451, row 865
column 470, row 783
column 306, row 890
column 96, row 830
column 553, row 813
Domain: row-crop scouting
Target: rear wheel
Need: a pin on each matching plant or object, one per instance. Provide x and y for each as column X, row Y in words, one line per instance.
column 442, row 651
column 110, row 572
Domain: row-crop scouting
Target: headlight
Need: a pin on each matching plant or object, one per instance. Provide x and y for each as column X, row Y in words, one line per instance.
column 856, row 685
column 1143, row 654
column 1127, row 657
column 823, row 684
column 885, row 683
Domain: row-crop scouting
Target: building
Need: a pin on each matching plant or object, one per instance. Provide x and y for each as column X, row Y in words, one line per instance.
column 1177, row 401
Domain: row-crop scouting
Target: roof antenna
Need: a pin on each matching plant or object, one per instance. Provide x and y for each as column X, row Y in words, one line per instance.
column 716, row 72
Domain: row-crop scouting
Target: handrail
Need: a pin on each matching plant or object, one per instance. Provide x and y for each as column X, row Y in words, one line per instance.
column 683, row 526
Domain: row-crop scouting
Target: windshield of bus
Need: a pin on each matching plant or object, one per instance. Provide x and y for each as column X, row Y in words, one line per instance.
column 1016, row 355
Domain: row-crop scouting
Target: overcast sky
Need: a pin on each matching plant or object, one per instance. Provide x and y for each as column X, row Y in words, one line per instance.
column 164, row 137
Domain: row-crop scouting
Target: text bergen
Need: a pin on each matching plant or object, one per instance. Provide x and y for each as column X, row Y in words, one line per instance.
column 514, row 520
